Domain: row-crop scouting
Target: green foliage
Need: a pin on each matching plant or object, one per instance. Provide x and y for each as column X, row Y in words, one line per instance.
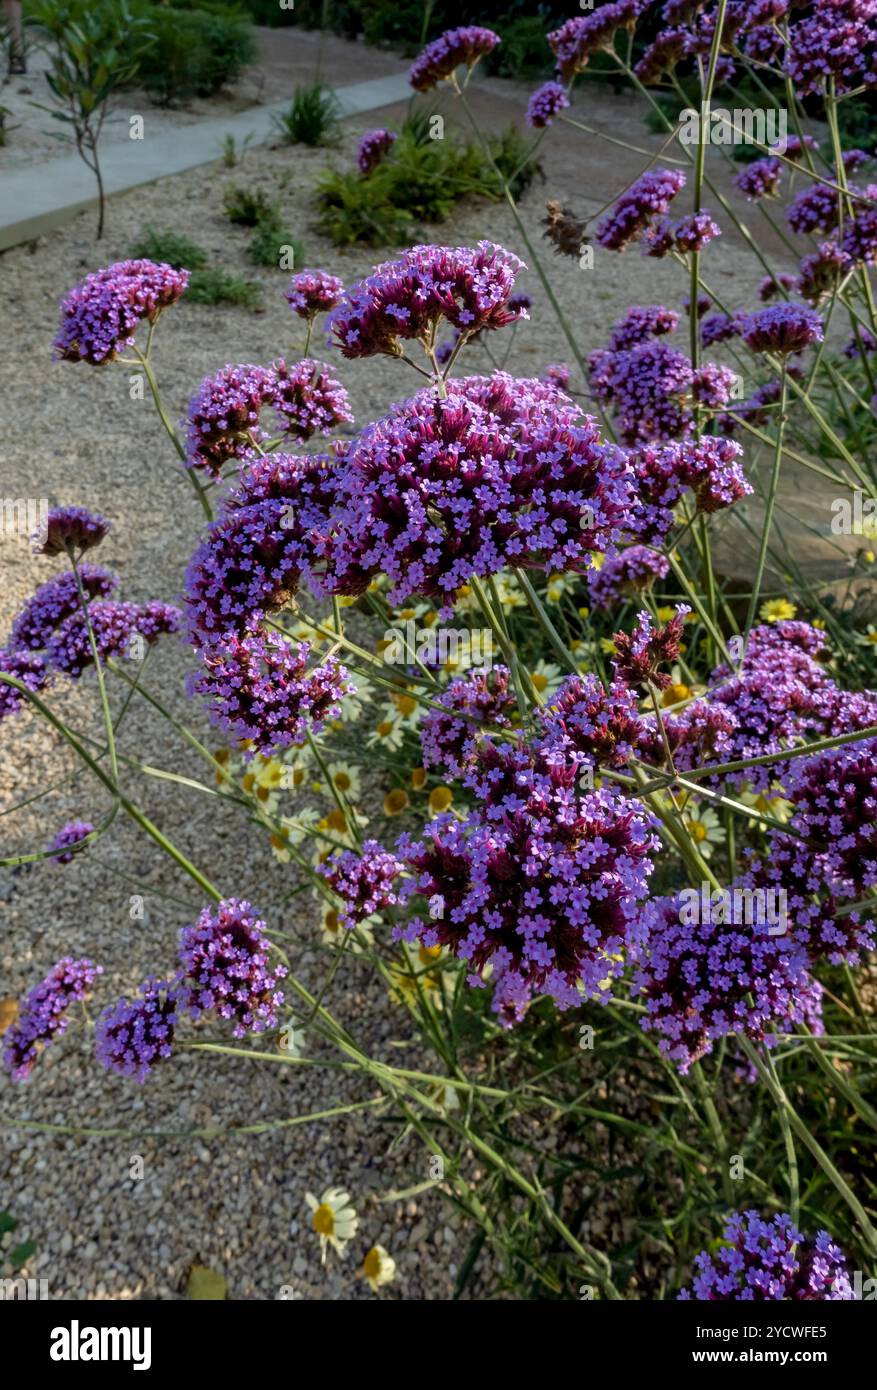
column 273, row 244
column 173, row 248
column 195, row 52
column 247, row 206
column 312, row 119
column 215, row 286
column 421, row 180
column 523, row 51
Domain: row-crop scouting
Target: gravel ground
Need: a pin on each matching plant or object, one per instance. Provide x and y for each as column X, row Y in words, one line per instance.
column 232, row 1202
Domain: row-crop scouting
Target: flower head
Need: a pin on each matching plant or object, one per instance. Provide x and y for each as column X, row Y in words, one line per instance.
column 225, row 968
column 378, row 1268
column 373, row 149
column 56, row 600
column 771, row 1260
column 73, row 530
column 334, row 1220
column 455, row 47
column 307, row 398
column 26, row 667
column 313, row 292
column 100, row 316
column 69, row 838
column 133, row 1035
column 648, row 197
column 364, row 881
column 545, row 103
column 782, row 329
column 641, row 653
column 43, row 1015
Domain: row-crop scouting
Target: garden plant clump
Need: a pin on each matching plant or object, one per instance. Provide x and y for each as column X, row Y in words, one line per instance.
column 598, row 814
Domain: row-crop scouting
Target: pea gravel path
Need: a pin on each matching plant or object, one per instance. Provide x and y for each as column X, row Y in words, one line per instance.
column 234, row 1203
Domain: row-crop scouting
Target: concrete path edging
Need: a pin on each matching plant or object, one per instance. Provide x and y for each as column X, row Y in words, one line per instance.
column 36, row 200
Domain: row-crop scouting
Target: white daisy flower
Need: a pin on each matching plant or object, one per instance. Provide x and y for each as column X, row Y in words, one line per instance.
column 334, row 1220
column 378, row 1268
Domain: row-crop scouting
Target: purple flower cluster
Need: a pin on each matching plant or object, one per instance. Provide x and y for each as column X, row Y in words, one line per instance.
column 822, row 272
column 223, row 417
column 113, row 625
column 450, row 735
column 860, row 236
column 72, row 530
column 766, row 1261
column 640, row 323
column 545, row 103
column 689, row 234
column 542, row 884
column 705, row 980
column 814, row 209
column 456, row 47
column 308, row 399
column 631, row 571
column 838, row 40
column 503, row 471
column 43, row 1016
column 24, row 666
column 576, row 41
column 373, row 149
column 760, row 179
column 99, row 317
column 719, row 328
column 602, row 726
column 133, row 1036
column 641, row 653
column 364, row 881
column 652, row 386
column 406, row 298
column 56, row 600
column 649, row 197
column 225, row 968
column 834, row 794
column 313, row 292
column 68, row 840
column 709, row 466
column 259, row 689
column 772, row 285
column 696, row 734
column 782, row 329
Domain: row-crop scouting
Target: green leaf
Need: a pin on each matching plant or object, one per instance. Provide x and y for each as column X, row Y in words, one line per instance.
column 7, row 1222
column 205, row 1285
column 22, row 1253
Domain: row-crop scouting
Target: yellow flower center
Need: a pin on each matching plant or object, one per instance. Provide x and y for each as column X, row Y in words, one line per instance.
column 406, row 704
column 342, row 781
column 539, row 681
column 440, row 798
column 371, row 1266
column 385, row 728
column 324, row 1220
column 418, row 778
column 336, row 821
column 697, row 830
column 395, row 802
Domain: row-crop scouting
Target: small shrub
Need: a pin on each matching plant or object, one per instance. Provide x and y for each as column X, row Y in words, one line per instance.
column 355, row 211
column 215, row 286
column 173, row 248
column 273, row 244
column 247, row 207
column 195, row 52
column 312, row 119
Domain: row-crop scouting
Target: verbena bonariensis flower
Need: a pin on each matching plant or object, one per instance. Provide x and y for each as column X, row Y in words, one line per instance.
column 73, row 529
column 641, row 654
column 26, row 667
column 702, row 980
column 640, row 323
column 373, row 149
column 650, row 196
column 780, row 694
column 253, row 556
column 719, row 328
column 812, row 904
column 584, row 717
column 814, row 209
column 69, row 838
column 782, row 328
column 449, row 736
column 838, row 40
column 307, row 398
column 760, row 179
column 365, row 881
column 662, row 56
column 772, row 285
column 575, row 42
column 225, row 968
column 56, row 600
column 456, row 47
column 647, row 387
column 822, row 272
column 767, row 1261
column 631, row 571
column 133, row 1035
column 865, row 342
column 545, row 103
column 695, row 735
column 43, row 1015
column 860, row 235
column 708, row 466
column 546, row 888
column 558, row 373
column 99, row 317
column 223, row 417
column 313, row 292
column 259, row 689
column 113, row 625
column 502, row 472
column 834, row 794
column 694, row 232
column 703, row 304
column 468, row 286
